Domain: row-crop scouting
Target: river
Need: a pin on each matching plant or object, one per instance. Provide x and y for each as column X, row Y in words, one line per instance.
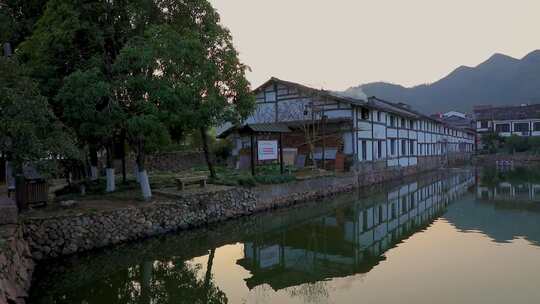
column 465, row 236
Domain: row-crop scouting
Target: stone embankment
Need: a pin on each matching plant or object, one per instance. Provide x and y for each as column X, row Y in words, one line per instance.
column 16, row 263
column 55, row 236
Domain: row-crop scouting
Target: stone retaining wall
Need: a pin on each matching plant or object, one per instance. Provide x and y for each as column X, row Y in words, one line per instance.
column 50, row 237
column 518, row 159
column 16, row 265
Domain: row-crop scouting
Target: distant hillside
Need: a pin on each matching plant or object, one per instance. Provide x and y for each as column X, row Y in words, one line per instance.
column 500, row 80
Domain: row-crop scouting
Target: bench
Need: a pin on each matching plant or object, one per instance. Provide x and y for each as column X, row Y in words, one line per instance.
column 182, row 182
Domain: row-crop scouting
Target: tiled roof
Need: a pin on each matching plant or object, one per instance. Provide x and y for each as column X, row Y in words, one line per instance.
column 508, row 113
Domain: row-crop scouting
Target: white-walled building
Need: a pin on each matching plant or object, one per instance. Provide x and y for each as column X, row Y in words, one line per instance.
column 365, row 131
column 510, row 120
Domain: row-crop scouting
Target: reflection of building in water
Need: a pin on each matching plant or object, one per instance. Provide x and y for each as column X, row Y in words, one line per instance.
column 351, row 239
column 509, row 192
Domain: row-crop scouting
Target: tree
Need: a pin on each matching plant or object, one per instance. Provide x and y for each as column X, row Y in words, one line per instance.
column 17, row 19
column 29, row 131
column 491, row 141
column 185, row 71
column 212, row 83
column 84, row 37
column 516, row 143
column 84, row 100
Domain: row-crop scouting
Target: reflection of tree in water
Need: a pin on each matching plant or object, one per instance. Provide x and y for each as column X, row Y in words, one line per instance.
column 176, row 281
column 158, row 282
column 311, row 293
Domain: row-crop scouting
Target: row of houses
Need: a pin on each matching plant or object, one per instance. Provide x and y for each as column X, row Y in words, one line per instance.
column 345, row 131
column 521, row 120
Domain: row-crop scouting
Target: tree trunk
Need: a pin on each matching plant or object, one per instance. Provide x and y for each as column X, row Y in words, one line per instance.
column 123, row 139
column 142, row 174
column 147, row 269
column 111, row 185
column 208, row 275
column 207, row 155
column 93, row 163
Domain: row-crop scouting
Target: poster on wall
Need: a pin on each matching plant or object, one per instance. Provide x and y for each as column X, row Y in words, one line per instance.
column 267, row 149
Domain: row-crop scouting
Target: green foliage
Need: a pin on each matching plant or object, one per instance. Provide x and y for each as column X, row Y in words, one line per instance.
column 29, row 131
column 222, row 149
column 491, row 141
column 83, row 98
column 153, row 70
column 534, row 144
column 17, row 19
column 246, row 181
column 516, row 143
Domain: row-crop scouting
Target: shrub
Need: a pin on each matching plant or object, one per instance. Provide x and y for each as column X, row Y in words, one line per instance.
column 534, row 144
column 516, row 143
column 246, row 181
column 222, row 150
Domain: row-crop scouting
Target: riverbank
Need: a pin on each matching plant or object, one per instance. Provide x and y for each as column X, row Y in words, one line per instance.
column 516, row 159
column 41, row 235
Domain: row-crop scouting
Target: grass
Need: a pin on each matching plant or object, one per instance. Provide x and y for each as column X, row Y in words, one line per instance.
column 265, row 174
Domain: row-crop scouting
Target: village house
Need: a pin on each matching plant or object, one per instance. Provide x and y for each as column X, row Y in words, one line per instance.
column 341, row 132
column 505, row 121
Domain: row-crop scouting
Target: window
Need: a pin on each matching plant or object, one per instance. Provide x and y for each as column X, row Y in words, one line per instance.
column 364, row 220
column 364, row 150
column 536, row 126
column 404, row 147
column 380, row 214
column 483, row 124
column 411, row 124
column 393, row 211
column 403, row 123
column 502, row 128
column 270, row 96
column 521, row 127
column 403, row 205
column 393, row 146
column 392, row 121
column 411, row 147
column 365, row 114
column 378, row 116
column 412, row 201
column 379, row 149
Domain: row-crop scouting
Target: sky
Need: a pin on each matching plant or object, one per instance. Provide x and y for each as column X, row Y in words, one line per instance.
column 336, row 44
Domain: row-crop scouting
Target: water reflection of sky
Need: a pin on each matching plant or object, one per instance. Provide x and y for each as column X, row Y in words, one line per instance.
column 422, row 242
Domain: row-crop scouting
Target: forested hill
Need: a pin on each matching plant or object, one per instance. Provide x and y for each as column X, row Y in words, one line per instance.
column 500, row 80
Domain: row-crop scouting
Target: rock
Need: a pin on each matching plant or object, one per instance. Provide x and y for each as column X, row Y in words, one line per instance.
column 68, row 204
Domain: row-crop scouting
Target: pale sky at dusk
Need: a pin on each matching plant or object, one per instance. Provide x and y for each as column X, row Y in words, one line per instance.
column 342, row 43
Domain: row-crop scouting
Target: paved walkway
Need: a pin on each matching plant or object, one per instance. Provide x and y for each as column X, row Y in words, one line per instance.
column 8, row 210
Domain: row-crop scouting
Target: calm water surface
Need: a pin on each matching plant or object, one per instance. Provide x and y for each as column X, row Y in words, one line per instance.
column 470, row 237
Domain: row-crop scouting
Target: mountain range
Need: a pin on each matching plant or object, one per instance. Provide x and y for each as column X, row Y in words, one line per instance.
column 500, row 80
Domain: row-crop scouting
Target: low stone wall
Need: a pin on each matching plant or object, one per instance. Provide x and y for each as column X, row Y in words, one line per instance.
column 50, row 237
column 16, row 265
column 518, row 159
column 169, row 161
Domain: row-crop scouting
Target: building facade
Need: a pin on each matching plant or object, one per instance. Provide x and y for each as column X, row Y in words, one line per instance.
column 506, row 121
column 371, row 131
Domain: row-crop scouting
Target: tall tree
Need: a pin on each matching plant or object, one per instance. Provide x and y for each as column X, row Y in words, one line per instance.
column 84, row 100
column 29, row 131
column 79, row 36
